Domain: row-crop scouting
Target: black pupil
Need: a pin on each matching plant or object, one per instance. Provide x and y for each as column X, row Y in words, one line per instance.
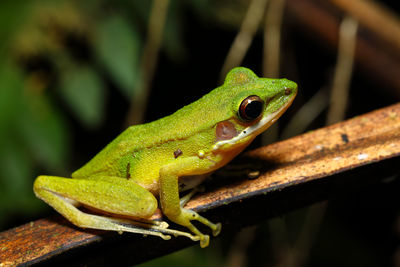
column 253, row 109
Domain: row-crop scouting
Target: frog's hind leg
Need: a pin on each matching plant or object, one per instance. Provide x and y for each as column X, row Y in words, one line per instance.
column 109, row 194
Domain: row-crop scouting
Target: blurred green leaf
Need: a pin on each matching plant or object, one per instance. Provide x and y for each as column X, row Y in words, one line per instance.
column 10, row 96
column 16, row 163
column 12, row 15
column 16, row 176
column 117, row 46
column 84, row 92
column 43, row 131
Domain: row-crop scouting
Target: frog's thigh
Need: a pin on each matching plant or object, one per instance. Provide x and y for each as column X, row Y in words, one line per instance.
column 110, row 194
column 102, row 194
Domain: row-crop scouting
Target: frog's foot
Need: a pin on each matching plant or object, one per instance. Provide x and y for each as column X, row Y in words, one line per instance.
column 123, row 225
column 188, row 215
column 217, row 229
column 160, row 224
column 153, row 228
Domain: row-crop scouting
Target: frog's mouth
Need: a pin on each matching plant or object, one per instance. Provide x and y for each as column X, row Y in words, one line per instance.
column 257, row 128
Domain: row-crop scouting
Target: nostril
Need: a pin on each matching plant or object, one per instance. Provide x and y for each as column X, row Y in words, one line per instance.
column 288, row 91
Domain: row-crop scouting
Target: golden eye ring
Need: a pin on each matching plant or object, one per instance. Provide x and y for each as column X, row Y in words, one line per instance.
column 251, row 108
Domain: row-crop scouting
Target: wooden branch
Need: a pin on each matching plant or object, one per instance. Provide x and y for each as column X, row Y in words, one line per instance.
column 298, row 171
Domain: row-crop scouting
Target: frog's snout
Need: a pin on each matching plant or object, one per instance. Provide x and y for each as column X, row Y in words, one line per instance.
column 290, row 90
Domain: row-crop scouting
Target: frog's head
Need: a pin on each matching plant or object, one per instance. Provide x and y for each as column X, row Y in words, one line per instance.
column 254, row 104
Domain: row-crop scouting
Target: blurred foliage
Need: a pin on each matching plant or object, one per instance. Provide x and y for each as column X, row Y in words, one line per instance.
column 116, row 35
column 31, row 132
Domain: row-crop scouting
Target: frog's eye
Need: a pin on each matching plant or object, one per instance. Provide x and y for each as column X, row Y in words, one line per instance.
column 251, row 108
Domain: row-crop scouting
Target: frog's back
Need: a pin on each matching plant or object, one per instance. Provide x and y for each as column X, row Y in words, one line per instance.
column 112, row 160
column 108, row 161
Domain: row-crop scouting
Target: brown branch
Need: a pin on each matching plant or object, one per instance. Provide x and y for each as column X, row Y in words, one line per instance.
column 299, row 171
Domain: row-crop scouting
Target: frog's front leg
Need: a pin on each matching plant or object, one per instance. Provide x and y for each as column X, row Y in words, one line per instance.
column 169, row 195
column 112, row 195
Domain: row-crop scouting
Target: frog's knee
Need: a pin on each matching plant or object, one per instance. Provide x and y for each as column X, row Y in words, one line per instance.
column 40, row 182
column 147, row 206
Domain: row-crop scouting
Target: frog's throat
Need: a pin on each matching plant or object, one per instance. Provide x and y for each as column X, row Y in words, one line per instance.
column 255, row 129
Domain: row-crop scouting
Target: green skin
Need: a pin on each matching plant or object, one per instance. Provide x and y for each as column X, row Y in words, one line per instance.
column 152, row 160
